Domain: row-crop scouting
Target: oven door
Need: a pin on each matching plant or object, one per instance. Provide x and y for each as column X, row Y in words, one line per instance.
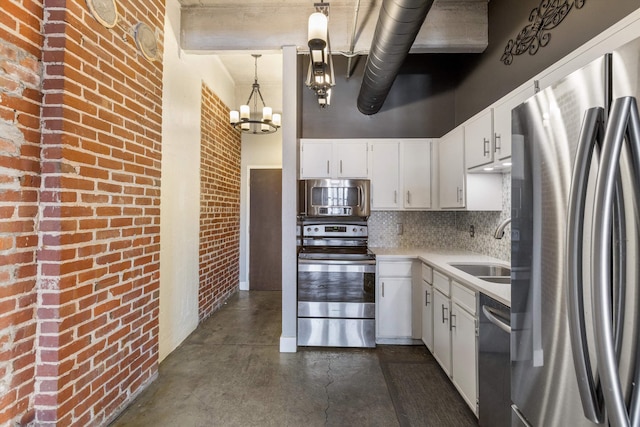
column 336, row 303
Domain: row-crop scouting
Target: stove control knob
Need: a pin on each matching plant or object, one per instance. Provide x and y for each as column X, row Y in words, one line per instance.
column 362, row 230
column 309, row 229
column 355, row 230
column 316, row 229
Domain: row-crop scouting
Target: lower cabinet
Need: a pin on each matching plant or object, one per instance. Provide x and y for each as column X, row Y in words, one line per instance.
column 441, row 331
column 464, row 355
column 453, row 314
column 427, row 315
column 393, row 301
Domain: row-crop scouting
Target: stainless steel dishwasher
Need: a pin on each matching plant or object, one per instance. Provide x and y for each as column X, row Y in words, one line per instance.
column 494, row 364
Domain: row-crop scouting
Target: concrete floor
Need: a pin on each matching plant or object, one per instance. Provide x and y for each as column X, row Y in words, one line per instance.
column 230, row 372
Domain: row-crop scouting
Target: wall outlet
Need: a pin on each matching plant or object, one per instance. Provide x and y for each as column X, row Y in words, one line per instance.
column 472, row 231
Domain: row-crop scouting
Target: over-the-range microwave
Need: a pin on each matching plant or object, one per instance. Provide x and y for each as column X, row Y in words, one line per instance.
column 334, row 197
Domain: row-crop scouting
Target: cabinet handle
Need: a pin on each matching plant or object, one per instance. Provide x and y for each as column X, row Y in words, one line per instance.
column 460, row 193
column 408, row 197
column 327, row 166
column 382, row 289
column 444, row 319
column 340, row 167
column 498, row 143
column 457, row 194
column 395, row 196
column 426, row 298
column 485, row 146
column 451, row 324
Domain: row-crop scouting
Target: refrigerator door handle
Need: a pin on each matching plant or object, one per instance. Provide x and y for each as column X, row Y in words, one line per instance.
column 623, row 121
column 590, row 392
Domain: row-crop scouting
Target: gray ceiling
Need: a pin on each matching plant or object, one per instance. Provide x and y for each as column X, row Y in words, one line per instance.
column 234, row 30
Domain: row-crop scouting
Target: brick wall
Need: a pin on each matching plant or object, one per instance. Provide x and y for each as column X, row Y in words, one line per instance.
column 99, row 214
column 20, row 71
column 219, row 205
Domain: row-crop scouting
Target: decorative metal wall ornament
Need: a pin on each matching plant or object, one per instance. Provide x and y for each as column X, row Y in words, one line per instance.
column 543, row 18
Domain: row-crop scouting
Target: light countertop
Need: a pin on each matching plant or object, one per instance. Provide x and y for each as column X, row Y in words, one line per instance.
column 440, row 259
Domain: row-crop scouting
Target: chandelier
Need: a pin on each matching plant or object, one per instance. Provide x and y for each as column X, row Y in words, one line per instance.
column 320, row 77
column 250, row 121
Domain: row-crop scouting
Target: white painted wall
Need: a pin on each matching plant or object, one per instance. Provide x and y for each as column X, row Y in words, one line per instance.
column 180, row 188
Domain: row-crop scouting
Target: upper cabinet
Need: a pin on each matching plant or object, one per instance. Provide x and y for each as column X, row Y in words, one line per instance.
column 401, row 174
column 478, row 140
column 333, row 158
column 502, row 121
column 451, row 168
column 462, row 190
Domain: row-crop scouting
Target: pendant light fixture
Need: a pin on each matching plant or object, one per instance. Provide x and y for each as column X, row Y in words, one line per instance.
column 251, row 121
column 320, row 76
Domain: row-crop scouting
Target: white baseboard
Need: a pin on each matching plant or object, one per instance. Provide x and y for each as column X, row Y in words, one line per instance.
column 244, row 285
column 288, row 344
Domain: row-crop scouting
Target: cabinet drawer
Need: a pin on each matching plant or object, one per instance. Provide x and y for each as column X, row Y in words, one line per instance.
column 427, row 274
column 441, row 282
column 394, row 268
column 464, row 297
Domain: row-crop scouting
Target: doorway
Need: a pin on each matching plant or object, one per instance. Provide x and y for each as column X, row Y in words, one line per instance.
column 265, row 229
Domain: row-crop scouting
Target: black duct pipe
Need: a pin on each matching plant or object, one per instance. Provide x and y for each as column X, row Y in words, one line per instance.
column 398, row 25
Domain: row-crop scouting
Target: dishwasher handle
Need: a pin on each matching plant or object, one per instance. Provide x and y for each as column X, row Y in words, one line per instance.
column 497, row 318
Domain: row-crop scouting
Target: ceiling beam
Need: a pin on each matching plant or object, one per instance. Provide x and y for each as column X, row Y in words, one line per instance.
column 451, row 26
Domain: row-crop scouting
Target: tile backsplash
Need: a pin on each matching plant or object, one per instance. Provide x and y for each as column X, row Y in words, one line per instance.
column 448, row 230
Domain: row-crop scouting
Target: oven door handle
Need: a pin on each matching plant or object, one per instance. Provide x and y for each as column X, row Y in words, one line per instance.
column 337, row 261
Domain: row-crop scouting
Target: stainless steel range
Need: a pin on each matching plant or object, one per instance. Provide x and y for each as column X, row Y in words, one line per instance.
column 336, row 283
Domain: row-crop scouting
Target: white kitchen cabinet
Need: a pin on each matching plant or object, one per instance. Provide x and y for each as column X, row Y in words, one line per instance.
column 426, row 306
column 333, row 158
column 441, row 332
column 478, row 140
column 416, row 178
column 393, row 301
column 401, row 174
column 464, row 344
column 427, row 315
column 502, row 121
column 462, row 190
column 451, row 169
column 385, row 177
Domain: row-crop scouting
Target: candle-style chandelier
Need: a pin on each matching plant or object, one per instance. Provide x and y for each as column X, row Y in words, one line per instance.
column 250, row 121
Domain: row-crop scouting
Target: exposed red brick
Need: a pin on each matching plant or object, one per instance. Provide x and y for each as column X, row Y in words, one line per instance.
column 219, row 206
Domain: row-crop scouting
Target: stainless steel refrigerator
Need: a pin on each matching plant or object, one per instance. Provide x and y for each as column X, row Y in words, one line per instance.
column 575, row 238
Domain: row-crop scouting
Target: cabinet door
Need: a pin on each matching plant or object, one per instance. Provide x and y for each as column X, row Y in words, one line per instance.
column 441, row 333
column 464, row 373
column 394, row 308
column 351, row 159
column 384, row 175
column 315, row 159
column 502, row 120
column 451, row 169
column 427, row 315
column 478, row 140
column 416, row 169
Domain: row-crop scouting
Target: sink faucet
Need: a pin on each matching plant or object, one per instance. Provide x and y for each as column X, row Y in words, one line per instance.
column 499, row 233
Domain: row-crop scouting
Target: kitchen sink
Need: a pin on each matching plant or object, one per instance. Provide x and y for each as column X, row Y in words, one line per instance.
column 496, row 279
column 485, row 271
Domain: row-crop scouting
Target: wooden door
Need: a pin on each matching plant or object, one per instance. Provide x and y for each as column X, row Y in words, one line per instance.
column 265, row 229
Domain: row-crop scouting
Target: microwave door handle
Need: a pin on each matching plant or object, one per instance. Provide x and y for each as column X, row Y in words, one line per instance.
column 624, row 115
column 590, row 392
column 360, row 196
